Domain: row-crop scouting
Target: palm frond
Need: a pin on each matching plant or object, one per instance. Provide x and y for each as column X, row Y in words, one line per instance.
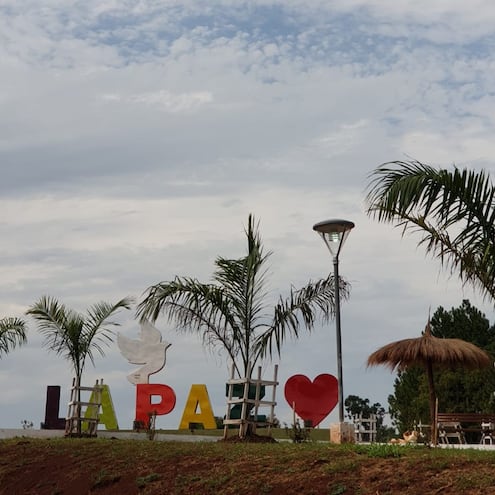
column 56, row 322
column 96, row 331
column 231, row 313
column 61, row 328
column 300, row 309
column 12, row 334
column 453, row 210
column 243, row 283
column 197, row 308
column 70, row 334
column 244, row 279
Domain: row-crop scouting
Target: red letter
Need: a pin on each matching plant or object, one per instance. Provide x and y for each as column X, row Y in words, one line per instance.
column 144, row 405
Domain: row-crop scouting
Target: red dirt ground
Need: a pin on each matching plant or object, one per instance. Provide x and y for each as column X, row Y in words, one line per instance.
column 119, row 467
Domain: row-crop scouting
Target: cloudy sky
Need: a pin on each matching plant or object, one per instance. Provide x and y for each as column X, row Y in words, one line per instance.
column 137, row 136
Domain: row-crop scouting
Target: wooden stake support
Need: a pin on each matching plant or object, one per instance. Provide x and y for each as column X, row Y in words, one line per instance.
column 249, row 422
column 75, row 417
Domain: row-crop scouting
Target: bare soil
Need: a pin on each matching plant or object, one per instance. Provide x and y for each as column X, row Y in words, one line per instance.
column 127, row 467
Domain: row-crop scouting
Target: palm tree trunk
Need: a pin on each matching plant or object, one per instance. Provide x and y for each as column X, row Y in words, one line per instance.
column 432, row 395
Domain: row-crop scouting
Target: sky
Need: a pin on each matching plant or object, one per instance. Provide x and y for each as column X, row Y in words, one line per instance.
column 137, row 136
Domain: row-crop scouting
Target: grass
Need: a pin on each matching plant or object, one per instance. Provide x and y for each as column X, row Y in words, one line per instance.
column 337, row 489
column 466, row 481
column 129, row 466
column 105, row 478
column 383, row 450
column 142, row 481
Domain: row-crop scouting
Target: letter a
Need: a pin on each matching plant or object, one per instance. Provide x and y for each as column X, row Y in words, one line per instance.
column 198, row 396
column 107, row 415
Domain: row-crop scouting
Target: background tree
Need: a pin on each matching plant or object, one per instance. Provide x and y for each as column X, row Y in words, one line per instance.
column 355, row 406
column 409, row 404
column 457, row 390
column 76, row 336
column 234, row 311
column 454, row 210
column 12, row 334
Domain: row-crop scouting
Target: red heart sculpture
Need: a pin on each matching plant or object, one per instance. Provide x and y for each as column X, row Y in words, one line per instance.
column 312, row 400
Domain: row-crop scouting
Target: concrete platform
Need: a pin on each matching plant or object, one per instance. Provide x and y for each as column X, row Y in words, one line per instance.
column 127, row 435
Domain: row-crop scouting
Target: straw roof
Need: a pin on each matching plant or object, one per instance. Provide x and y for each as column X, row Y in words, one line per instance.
column 427, row 348
column 428, row 351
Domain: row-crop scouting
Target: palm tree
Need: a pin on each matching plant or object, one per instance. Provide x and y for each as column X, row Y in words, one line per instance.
column 454, row 210
column 12, row 334
column 232, row 312
column 74, row 336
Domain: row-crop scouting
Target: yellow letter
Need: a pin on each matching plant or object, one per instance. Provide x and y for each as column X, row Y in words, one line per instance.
column 107, row 416
column 198, row 396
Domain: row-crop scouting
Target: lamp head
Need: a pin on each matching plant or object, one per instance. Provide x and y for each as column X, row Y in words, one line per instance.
column 334, row 232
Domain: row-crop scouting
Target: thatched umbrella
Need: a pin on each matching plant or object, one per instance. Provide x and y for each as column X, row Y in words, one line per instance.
column 427, row 351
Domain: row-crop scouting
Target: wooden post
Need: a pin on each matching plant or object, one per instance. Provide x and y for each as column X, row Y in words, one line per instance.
column 245, row 423
column 73, row 423
column 434, row 429
column 229, row 402
column 272, row 407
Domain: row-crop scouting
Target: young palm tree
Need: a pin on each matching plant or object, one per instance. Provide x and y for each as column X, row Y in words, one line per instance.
column 454, row 210
column 12, row 334
column 232, row 312
column 74, row 336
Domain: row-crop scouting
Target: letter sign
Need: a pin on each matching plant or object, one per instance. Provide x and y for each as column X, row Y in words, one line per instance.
column 198, row 398
column 145, row 406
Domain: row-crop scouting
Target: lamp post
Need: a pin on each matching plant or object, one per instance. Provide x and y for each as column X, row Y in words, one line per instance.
column 334, row 233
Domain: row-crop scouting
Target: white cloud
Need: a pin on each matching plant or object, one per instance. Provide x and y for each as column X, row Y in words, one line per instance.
column 164, row 100
column 135, row 138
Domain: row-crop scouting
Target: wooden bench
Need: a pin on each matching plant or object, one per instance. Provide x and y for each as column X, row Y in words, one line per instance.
column 456, row 425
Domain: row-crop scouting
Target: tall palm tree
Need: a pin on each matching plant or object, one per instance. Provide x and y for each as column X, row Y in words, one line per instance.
column 454, row 210
column 12, row 334
column 233, row 312
column 75, row 336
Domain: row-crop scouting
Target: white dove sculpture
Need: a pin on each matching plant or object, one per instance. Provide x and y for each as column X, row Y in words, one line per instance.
column 149, row 351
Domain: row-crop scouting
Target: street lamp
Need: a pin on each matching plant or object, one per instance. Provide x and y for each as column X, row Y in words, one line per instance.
column 334, row 233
